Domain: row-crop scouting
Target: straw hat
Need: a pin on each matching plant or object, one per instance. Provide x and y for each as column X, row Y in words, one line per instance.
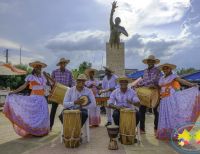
column 151, row 57
column 35, row 63
column 109, row 69
column 63, row 60
column 124, row 78
column 88, row 70
column 172, row 66
column 82, row 77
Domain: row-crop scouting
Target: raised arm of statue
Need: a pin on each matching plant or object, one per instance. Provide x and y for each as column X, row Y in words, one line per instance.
column 114, row 6
column 115, row 29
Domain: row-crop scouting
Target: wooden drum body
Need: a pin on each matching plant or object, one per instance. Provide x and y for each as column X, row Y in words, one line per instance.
column 148, row 97
column 101, row 101
column 58, row 93
column 127, row 126
column 71, row 128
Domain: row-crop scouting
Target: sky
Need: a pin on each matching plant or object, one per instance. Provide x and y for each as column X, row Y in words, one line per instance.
column 79, row 29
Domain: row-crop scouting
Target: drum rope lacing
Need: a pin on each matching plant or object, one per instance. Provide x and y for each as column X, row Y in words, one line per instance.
column 126, row 135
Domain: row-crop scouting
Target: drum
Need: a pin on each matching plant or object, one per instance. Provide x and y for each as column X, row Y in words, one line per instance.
column 101, row 101
column 127, row 126
column 148, row 97
column 58, row 93
column 113, row 133
column 71, row 128
column 86, row 100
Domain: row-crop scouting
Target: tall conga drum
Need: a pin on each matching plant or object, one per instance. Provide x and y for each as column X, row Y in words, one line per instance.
column 148, row 97
column 127, row 126
column 71, row 128
column 58, row 92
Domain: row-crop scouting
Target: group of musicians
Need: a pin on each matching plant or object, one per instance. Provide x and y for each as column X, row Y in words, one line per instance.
column 29, row 114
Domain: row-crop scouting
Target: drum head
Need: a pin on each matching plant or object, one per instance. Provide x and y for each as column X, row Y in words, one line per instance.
column 112, row 126
column 71, row 111
column 86, row 100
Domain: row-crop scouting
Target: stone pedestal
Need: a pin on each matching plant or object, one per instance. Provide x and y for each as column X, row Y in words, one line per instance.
column 115, row 58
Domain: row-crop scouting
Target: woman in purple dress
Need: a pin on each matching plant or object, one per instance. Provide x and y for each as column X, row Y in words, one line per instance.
column 93, row 84
column 29, row 114
column 177, row 106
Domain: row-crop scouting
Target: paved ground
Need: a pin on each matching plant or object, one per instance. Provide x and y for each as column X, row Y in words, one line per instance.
column 11, row 143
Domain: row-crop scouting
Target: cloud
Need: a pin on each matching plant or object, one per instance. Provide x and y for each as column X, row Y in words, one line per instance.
column 77, row 41
column 141, row 13
column 167, row 29
column 144, row 45
column 8, row 44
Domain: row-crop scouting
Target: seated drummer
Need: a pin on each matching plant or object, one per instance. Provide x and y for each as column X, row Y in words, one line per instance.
column 72, row 99
column 123, row 97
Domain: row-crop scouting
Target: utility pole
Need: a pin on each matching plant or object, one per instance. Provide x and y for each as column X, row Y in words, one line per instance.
column 6, row 56
column 20, row 54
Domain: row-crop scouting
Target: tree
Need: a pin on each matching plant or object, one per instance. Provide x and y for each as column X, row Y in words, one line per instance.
column 183, row 71
column 83, row 66
column 75, row 73
column 25, row 68
column 13, row 81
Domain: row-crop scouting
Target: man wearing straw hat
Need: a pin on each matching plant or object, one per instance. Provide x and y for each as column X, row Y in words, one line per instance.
column 150, row 79
column 124, row 97
column 63, row 76
column 73, row 101
column 108, row 85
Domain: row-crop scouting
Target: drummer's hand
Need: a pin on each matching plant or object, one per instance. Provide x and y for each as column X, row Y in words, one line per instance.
column 110, row 104
column 111, row 89
column 79, row 101
column 153, row 87
column 100, row 92
column 129, row 102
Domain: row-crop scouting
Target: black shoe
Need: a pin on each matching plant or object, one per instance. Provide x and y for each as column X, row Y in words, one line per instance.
column 108, row 123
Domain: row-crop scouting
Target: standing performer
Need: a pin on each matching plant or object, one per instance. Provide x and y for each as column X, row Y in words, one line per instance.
column 124, row 97
column 108, row 85
column 150, row 79
column 93, row 84
column 176, row 106
column 29, row 114
column 73, row 101
column 63, row 76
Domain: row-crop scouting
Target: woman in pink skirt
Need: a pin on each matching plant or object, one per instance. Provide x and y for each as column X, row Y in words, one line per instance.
column 93, row 84
column 177, row 107
column 29, row 114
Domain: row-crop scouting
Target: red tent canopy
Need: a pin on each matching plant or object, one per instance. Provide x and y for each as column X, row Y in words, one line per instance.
column 8, row 69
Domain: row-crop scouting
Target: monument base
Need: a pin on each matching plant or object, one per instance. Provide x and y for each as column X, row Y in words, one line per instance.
column 115, row 58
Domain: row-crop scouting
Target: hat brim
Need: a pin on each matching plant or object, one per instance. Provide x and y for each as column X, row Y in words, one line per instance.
column 156, row 61
column 87, row 71
column 172, row 66
column 37, row 63
column 124, row 79
column 64, row 61
column 106, row 68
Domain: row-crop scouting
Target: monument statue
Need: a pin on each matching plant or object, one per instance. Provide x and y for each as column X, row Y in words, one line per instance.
column 115, row 28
